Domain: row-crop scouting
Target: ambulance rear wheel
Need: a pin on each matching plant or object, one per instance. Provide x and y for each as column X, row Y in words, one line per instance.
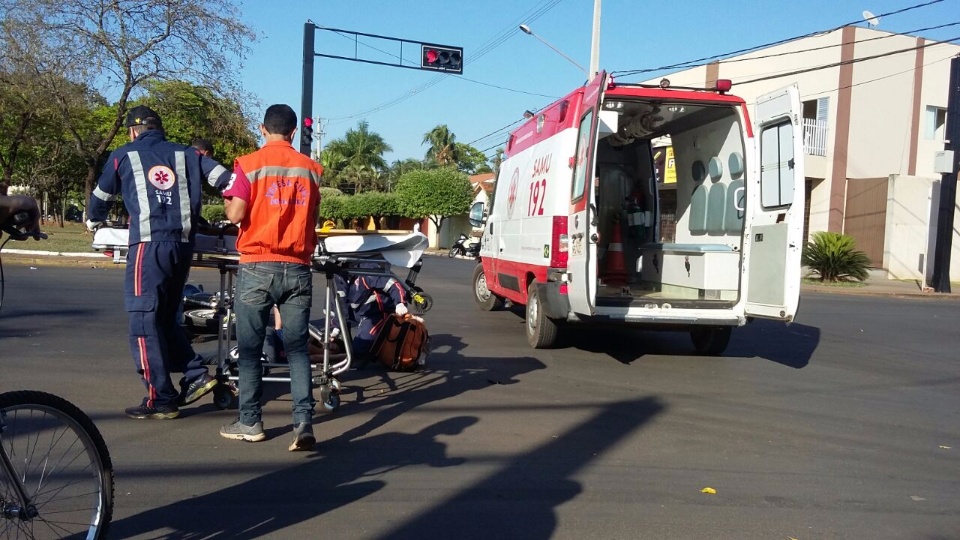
column 481, row 294
column 541, row 330
column 711, row 341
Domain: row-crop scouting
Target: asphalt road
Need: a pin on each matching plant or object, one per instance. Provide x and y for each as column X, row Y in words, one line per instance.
column 845, row 424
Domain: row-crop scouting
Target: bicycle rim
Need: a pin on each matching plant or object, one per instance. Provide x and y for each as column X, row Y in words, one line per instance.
column 60, row 458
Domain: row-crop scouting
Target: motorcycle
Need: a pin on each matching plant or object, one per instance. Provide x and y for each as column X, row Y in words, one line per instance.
column 460, row 247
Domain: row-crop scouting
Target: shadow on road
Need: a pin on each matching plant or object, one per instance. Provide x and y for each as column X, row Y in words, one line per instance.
column 520, row 500
column 790, row 345
column 517, row 501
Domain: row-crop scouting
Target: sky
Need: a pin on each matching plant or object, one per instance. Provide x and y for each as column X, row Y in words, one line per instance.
column 506, row 71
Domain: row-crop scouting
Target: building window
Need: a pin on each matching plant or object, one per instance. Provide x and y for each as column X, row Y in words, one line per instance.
column 936, row 124
column 815, row 130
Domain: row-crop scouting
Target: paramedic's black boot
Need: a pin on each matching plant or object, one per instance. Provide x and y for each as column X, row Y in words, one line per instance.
column 200, row 387
column 303, row 438
column 161, row 412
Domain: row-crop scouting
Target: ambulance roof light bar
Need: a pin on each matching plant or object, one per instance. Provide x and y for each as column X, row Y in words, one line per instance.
column 722, row 86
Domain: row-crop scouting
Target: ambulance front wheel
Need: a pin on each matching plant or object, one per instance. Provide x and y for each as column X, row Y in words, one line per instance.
column 541, row 330
column 481, row 294
column 711, row 340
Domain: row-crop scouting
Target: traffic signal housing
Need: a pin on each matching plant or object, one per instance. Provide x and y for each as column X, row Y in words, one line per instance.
column 306, row 134
column 442, row 58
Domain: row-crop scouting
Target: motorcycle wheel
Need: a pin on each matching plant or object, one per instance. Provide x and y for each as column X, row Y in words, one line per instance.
column 453, row 252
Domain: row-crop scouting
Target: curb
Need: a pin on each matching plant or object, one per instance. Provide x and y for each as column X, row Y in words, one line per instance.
column 817, row 289
column 864, row 291
column 52, row 253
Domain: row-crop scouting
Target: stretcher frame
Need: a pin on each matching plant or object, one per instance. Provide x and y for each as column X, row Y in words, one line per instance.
column 335, row 255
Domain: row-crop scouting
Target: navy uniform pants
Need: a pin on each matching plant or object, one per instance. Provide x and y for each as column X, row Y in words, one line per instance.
column 156, row 274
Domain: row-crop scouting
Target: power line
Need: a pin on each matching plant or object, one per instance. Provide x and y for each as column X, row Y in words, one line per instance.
column 845, row 62
column 498, row 39
column 488, row 135
column 834, row 45
column 410, row 62
column 706, row 59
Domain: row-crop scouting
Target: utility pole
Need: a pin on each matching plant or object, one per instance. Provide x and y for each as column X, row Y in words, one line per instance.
column 318, row 137
column 306, row 90
column 948, row 186
column 595, row 42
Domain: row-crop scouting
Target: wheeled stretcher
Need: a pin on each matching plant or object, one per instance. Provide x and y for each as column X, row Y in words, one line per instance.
column 336, row 254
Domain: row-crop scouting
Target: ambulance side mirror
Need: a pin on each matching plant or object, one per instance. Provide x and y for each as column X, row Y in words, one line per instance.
column 477, row 215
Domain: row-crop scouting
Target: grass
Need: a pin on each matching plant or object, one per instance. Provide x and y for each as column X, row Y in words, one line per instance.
column 71, row 238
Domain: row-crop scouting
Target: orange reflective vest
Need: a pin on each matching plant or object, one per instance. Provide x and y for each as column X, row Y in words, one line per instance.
column 281, row 218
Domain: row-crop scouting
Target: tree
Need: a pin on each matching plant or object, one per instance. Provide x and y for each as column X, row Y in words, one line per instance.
column 398, row 168
column 443, row 147
column 357, row 158
column 470, row 160
column 190, row 111
column 120, row 45
column 436, row 193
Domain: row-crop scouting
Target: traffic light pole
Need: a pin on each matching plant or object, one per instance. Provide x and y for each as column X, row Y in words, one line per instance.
column 306, row 95
column 948, row 187
column 443, row 58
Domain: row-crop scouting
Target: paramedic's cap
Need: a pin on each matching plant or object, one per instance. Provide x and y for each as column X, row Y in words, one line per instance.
column 139, row 114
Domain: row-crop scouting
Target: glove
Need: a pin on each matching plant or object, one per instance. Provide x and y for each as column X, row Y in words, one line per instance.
column 92, row 226
column 401, row 310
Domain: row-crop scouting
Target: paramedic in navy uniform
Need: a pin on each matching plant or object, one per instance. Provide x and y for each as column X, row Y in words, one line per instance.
column 160, row 183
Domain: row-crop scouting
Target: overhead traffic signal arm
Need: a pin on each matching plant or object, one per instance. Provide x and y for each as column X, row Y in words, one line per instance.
column 442, row 58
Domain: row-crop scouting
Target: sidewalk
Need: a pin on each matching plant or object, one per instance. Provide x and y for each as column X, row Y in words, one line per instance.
column 879, row 285
column 876, row 284
column 883, row 287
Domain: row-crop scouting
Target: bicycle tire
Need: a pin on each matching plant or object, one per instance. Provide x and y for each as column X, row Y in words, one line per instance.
column 60, row 457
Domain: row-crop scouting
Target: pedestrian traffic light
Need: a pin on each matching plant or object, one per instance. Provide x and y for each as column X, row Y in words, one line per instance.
column 442, row 58
column 306, row 134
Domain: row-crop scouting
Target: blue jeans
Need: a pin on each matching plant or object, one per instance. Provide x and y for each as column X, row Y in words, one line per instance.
column 260, row 286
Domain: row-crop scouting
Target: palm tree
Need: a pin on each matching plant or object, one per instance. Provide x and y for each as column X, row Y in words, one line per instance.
column 361, row 152
column 443, row 145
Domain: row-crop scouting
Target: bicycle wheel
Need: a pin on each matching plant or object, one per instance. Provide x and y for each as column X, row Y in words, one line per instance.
column 59, row 457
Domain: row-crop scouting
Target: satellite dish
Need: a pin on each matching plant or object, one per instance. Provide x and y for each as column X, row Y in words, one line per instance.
column 872, row 20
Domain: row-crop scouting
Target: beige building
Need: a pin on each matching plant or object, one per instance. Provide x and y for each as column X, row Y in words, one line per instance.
column 874, row 115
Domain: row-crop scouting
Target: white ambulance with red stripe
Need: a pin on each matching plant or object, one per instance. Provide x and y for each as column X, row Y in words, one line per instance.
column 575, row 232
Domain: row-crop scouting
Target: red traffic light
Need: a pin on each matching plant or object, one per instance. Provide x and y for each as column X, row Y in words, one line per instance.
column 307, row 122
column 442, row 58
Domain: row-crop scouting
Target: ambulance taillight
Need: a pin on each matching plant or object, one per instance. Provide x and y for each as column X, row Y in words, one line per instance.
column 560, row 243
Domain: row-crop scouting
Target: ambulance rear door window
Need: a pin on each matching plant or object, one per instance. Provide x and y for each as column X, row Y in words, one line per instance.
column 583, row 150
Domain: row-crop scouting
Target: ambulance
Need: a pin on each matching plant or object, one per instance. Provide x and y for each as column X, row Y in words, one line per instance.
column 576, row 234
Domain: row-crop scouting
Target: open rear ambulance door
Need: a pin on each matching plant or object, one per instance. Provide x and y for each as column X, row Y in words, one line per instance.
column 582, row 222
column 773, row 233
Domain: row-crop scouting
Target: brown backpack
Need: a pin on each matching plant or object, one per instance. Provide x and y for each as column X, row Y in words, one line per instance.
column 402, row 343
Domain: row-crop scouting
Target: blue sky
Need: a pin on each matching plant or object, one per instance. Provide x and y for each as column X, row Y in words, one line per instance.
column 507, row 71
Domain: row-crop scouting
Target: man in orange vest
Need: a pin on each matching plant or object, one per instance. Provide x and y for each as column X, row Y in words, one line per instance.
column 273, row 196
